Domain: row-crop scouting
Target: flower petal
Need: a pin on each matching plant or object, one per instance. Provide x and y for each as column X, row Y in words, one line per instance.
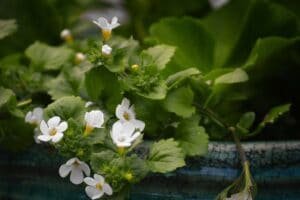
column 71, row 161
column 107, row 189
column 44, row 138
column 93, row 193
column 102, row 22
column 90, row 181
column 76, row 175
column 114, row 20
column 44, row 128
column 138, row 124
column 99, row 178
column 62, row 127
column 28, row 117
column 125, row 103
column 53, row 122
column 64, row 170
column 57, row 137
column 38, row 113
column 85, row 168
column 134, row 136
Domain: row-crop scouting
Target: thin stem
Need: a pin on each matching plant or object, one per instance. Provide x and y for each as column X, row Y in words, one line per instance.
column 24, row 103
column 209, row 113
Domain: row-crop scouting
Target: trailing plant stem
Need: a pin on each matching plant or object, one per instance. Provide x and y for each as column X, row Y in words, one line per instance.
column 231, row 129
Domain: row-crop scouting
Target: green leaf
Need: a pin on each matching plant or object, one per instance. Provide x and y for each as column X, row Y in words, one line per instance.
column 243, row 22
column 7, row 99
column 247, row 120
column 271, row 117
column 103, row 84
column 194, row 46
column 161, row 55
column 174, row 79
column 7, row 27
column 44, row 57
column 165, row 156
column 179, row 101
column 157, row 93
column 98, row 160
column 66, row 108
column 192, row 138
column 266, row 48
column 59, row 87
column 237, row 76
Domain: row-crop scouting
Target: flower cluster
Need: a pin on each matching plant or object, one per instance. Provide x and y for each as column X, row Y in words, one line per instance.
column 106, row 29
column 123, row 133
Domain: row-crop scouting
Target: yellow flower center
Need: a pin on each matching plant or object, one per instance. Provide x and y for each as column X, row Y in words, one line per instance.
column 126, row 116
column 53, row 132
column 106, row 34
column 99, row 186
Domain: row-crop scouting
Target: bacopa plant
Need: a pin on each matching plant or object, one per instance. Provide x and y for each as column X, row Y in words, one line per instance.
column 117, row 112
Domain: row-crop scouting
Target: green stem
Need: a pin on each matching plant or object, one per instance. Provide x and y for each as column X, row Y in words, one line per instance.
column 209, row 113
column 24, row 103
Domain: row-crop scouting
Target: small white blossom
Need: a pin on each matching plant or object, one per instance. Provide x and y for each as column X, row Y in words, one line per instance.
column 97, row 187
column 94, row 119
column 244, row 195
column 77, row 168
column 79, row 57
column 216, row 4
column 35, row 116
column 125, row 113
column 52, row 130
column 37, row 132
column 88, row 104
column 106, row 50
column 66, row 35
column 105, row 25
column 123, row 134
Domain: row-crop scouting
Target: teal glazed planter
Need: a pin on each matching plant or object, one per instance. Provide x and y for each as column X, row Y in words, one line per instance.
column 275, row 166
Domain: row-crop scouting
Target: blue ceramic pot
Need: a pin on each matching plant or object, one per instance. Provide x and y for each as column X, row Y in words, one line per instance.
column 33, row 175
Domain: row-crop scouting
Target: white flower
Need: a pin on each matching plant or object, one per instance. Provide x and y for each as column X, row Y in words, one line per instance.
column 123, row 134
column 66, row 35
column 97, row 187
column 37, row 132
column 216, row 4
column 94, row 119
column 77, row 168
column 106, row 27
column 106, row 50
column 52, row 130
column 125, row 113
column 35, row 116
column 79, row 57
column 88, row 104
column 244, row 195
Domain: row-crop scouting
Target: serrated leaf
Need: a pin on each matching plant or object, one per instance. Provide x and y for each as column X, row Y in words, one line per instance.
column 275, row 113
column 44, row 57
column 192, row 138
column 102, row 84
column 66, row 108
column 237, row 76
column 174, row 79
column 102, row 158
column 165, row 156
column 161, row 55
column 271, row 117
column 179, row 101
column 194, row 46
column 159, row 92
column 7, row 27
